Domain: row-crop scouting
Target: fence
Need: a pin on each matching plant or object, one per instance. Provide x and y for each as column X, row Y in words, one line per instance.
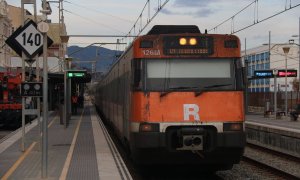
column 257, row 100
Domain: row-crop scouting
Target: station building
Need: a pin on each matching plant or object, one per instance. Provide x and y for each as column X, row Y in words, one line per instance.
column 10, row 21
column 259, row 58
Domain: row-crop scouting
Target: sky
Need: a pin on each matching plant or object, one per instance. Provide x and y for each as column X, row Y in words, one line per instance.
column 116, row 17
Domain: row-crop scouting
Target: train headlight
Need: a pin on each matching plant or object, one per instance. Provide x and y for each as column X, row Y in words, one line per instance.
column 232, row 126
column 182, row 41
column 149, row 127
column 193, row 41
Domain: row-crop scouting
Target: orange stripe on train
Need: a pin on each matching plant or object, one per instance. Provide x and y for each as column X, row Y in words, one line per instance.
column 213, row 107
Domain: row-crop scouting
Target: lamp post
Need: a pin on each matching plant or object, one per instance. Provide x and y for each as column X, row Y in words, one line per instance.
column 286, row 51
column 275, row 71
column 299, row 53
column 292, row 42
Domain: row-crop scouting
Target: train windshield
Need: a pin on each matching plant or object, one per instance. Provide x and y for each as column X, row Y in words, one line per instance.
column 190, row 74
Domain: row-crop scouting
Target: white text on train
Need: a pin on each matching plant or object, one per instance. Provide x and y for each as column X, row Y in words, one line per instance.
column 151, row 52
column 191, row 110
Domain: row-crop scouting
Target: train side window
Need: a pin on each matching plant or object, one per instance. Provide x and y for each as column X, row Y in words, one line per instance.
column 137, row 75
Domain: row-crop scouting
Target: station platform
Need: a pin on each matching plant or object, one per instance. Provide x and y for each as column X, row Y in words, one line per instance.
column 83, row 150
column 283, row 123
column 282, row 135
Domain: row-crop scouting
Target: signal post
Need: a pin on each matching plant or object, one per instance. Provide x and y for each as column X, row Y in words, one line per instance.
column 29, row 42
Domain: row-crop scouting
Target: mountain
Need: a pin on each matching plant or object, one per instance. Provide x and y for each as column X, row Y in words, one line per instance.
column 106, row 57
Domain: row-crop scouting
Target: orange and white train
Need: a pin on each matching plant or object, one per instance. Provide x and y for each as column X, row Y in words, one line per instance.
column 175, row 96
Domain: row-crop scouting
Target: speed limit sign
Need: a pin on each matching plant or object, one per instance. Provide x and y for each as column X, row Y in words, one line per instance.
column 27, row 39
column 30, row 39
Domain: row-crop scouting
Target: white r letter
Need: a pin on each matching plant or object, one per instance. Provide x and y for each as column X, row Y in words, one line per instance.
column 191, row 109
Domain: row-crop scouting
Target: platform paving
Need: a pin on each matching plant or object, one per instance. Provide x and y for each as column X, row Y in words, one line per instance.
column 284, row 122
column 73, row 152
column 82, row 151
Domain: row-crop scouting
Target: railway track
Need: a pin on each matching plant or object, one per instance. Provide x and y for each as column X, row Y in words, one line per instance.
column 155, row 172
column 250, row 165
column 277, row 164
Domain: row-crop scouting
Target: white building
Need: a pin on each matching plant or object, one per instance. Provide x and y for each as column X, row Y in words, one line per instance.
column 258, row 59
column 5, row 32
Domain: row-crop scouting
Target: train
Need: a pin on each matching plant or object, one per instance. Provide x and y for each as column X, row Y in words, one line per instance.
column 176, row 96
column 10, row 99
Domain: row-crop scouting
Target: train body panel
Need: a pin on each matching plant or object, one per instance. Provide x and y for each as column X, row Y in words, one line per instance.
column 186, row 107
column 177, row 95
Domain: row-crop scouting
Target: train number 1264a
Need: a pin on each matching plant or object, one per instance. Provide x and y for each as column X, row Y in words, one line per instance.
column 151, row 52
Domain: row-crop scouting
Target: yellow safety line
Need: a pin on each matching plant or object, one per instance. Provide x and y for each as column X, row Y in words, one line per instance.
column 18, row 162
column 22, row 157
column 50, row 124
column 65, row 170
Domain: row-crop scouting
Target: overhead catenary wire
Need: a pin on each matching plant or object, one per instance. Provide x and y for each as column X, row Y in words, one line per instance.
column 255, row 17
column 139, row 20
column 93, row 21
column 97, row 11
column 215, row 28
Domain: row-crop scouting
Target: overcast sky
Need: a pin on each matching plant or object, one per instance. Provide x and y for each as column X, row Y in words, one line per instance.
column 116, row 17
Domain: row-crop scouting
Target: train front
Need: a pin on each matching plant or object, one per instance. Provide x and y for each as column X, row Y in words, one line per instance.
column 187, row 100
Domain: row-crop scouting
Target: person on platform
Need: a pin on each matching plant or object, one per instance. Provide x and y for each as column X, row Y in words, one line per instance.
column 74, row 101
column 294, row 114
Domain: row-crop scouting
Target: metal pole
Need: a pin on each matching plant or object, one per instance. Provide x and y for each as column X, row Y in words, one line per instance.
column 275, row 78
column 65, row 94
column 45, row 105
column 286, row 51
column 285, row 102
column 60, row 33
column 23, row 79
column 66, row 97
column 247, row 85
column 299, row 57
column 69, row 94
column 37, row 67
column 275, row 94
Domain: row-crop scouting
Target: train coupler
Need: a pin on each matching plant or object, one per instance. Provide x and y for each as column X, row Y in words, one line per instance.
column 190, row 138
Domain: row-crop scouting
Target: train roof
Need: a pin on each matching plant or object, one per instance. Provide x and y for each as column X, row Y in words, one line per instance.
column 173, row 29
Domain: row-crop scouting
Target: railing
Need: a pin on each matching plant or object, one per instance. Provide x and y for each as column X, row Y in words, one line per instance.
column 257, row 100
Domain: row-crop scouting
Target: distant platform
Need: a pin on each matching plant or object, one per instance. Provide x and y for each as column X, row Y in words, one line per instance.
column 282, row 134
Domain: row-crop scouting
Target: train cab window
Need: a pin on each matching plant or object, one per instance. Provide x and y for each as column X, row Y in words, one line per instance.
column 189, row 74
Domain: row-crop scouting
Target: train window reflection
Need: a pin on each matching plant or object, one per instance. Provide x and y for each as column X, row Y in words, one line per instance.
column 189, row 68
